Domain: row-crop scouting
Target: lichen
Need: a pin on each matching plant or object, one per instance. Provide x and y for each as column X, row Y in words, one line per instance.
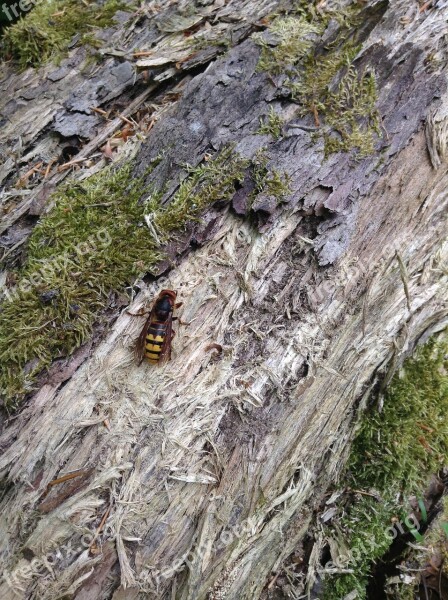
column 210, row 39
column 323, row 80
column 394, row 453
column 96, row 240
column 45, row 32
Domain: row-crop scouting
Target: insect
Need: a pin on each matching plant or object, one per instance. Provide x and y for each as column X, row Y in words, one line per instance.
column 154, row 342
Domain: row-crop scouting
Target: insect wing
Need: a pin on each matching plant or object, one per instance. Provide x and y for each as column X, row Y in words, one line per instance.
column 165, row 354
column 141, row 342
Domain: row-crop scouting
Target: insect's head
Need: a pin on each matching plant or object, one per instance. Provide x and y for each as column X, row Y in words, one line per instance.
column 170, row 293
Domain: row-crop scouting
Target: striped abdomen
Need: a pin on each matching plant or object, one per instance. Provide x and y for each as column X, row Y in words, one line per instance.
column 154, row 341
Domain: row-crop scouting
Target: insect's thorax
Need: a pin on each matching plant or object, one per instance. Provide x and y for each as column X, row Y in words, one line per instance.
column 163, row 308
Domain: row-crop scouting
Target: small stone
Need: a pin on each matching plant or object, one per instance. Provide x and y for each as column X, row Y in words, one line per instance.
column 48, row 297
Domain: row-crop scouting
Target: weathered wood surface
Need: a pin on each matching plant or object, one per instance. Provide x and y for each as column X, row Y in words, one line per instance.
column 43, row 112
column 213, row 466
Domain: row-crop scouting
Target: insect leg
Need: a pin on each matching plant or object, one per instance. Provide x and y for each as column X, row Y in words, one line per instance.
column 140, row 313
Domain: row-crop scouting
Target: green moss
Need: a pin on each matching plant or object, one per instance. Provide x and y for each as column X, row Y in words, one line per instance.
column 272, row 125
column 96, row 240
column 397, row 448
column 352, row 115
column 269, row 182
column 323, row 81
column 45, row 33
column 207, row 183
column 294, row 37
column 395, row 452
column 425, row 557
column 275, row 183
column 438, row 535
column 404, row 592
column 365, row 528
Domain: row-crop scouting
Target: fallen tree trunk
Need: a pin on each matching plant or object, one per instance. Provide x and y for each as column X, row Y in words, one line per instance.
column 197, row 480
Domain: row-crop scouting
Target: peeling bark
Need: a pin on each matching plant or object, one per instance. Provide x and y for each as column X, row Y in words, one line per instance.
column 214, row 464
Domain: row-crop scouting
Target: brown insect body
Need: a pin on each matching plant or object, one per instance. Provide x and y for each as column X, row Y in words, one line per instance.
column 154, row 342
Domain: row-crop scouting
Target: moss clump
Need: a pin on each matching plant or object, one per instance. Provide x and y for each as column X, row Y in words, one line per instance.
column 365, row 529
column 269, row 182
column 352, row 115
column 273, row 183
column 348, row 108
column 394, row 453
column 323, row 81
column 94, row 242
column 294, row 37
column 272, row 124
column 45, row 33
column 207, row 183
column 427, row 560
column 399, row 446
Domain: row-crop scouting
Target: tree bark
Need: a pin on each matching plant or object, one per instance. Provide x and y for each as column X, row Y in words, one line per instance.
column 212, row 467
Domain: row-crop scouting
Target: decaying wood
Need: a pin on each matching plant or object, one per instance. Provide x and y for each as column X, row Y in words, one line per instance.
column 44, row 111
column 212, row 466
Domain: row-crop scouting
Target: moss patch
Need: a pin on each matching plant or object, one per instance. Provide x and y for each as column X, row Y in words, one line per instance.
column 397, row 448
column 270, row 182
column 272, row 124
column 207, row 183
column 45, row 33
column 425, row 565
column 94, row 242
column 323, row 81
column 347, row 108
column 294, row 37
column 393, row 455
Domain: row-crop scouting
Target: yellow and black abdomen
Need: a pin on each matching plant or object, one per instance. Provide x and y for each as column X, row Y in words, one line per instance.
column 154, row 341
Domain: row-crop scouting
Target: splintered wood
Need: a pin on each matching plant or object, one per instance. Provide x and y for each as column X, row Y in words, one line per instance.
column 198, row 479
